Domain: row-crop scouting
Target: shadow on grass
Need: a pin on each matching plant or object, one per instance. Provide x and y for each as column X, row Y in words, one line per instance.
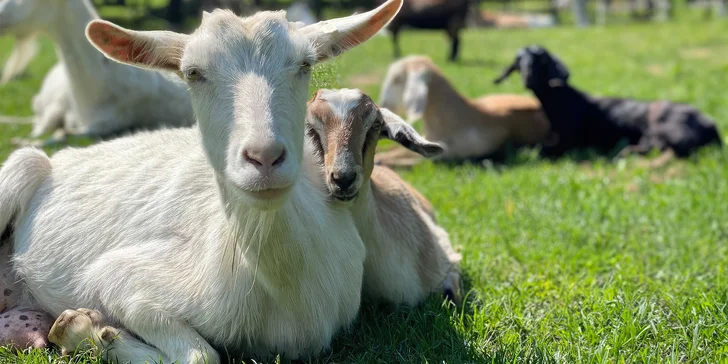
column 434, row 332
column 518, row 156
column 384, row 333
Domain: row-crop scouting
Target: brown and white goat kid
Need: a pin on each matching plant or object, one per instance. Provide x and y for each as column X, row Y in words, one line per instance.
column 408, row 255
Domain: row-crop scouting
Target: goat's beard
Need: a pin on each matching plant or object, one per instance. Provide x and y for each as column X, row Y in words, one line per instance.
column 251, row 230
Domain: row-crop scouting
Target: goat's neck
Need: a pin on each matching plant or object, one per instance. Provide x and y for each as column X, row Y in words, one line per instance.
column 84, row 64
column 268, row 239
column 364, row 208
column 553, row 99
column 446, row 108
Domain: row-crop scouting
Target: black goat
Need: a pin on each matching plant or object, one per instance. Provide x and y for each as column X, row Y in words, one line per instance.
column 581, row 121
column 431, row 14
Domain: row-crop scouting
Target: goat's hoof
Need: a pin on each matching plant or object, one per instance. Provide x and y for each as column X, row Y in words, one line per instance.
column 80, row 330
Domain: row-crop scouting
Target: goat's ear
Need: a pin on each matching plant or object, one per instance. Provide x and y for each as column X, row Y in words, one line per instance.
column 507, row 72
column 151, row 49
column 333, row 37
column 415, row 94
column 396, row 129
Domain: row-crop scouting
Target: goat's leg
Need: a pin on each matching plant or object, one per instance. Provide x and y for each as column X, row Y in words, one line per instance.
column 451, row 287
column 84, row 330
column 52, row 119
column 174, row 343
column 453, row 31
column 646, row 144
column 455, row 48
column 395, row 42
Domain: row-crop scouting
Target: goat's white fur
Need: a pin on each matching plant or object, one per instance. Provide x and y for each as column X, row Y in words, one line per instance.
column 468, row 128
column 299, row 11
column 53, row 105
column 408, row 255
column 106, row 98
column 169, row 234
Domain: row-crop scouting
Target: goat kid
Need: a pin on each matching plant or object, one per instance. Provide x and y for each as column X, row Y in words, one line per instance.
column 107, row 98
column 185, row 240
column 581, row 121
column 469, row 129
column 408, row 256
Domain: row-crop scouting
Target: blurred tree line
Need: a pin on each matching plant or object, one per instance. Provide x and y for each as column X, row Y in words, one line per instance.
column 177, row 11
column 584, row 12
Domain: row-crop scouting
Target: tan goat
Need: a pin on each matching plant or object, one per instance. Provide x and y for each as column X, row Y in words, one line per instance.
column 408, row 256
column 468, row 128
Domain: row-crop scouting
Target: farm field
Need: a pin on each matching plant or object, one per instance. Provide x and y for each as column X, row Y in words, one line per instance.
column 578, row 260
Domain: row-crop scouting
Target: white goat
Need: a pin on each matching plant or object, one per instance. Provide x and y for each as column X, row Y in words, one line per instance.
column 107, row 98
column 408, row 255
column 52, row 105
column 300, row 11
column 467, row 128
column 192, row 238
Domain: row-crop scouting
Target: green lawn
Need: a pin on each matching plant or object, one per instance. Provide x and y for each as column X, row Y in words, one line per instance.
column 567, row 261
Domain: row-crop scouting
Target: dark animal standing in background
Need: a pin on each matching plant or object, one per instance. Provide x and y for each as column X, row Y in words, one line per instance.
column 581, row 121
column 431, row 14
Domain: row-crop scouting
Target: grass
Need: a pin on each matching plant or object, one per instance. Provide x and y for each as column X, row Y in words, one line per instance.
column 570, row 261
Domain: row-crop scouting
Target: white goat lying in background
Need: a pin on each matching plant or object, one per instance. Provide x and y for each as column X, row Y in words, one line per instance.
column 469, row 129
column 107, row 98
column 194, row 238
column 408, row 255
column 52, row 105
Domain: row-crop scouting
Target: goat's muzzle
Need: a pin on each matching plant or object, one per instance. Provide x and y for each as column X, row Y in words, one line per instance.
column 343, row 186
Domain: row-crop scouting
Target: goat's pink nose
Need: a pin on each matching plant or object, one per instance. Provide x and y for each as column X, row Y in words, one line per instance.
column 265, row 158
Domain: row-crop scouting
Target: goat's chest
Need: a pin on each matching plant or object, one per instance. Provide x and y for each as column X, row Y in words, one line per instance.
column 300, row 291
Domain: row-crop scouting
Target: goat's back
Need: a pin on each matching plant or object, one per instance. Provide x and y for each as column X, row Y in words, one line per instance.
column 429, row 14
column 383, row 176
column 522, row 116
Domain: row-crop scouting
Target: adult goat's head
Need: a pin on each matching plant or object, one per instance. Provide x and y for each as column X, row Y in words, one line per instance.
column 249, row 79
column 22, row 17
column 344, row 127
column 539, row 69
column 406, row 85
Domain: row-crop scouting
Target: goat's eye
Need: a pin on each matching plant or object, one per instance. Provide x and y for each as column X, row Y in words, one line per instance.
column 193, row 75
column 305, row 67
